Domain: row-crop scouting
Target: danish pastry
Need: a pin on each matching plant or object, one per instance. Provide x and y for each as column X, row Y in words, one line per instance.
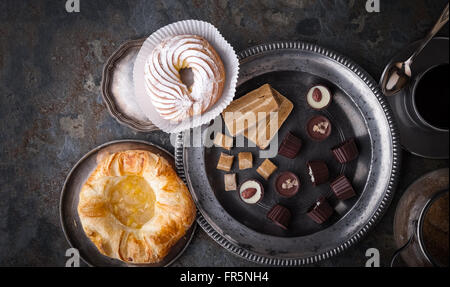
column 172, row 98
column 134, row 207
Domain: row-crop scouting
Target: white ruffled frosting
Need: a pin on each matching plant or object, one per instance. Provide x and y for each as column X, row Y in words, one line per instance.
column 170, row 96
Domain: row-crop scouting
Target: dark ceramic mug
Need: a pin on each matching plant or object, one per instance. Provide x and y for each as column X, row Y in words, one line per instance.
column 411, row 103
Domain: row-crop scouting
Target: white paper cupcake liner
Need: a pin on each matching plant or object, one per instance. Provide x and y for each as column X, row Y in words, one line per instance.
column 222, row 47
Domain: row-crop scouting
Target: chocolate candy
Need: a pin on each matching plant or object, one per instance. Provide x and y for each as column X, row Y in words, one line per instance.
column 318, row 97
column 320, row 211
column 290, row 146
column 287, row 184
column 346, row 151
column 251, row 191
column 342, row 188
column 318, row 128
column 318, row 171
column 280, row 215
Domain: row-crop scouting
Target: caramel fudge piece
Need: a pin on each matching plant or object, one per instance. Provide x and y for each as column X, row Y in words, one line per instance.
column 223, row 141
column 230, row 181
column 225, row 162
column 243, row 112
column 256, row 133
column 266, row 168
column 245, row 160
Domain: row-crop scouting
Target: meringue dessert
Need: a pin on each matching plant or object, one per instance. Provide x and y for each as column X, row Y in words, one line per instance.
column 134, row 207
column 173, row 98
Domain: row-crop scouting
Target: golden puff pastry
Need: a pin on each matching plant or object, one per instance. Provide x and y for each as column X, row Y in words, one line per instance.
column 134, row 207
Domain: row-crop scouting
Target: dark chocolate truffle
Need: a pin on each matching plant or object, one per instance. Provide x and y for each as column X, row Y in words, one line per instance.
column 318, row 171
column 320, row 211
column 346, row 151
column 290, row 146
column 318, row 128
column 280, row 215
column 342, row 188
column 287, row 184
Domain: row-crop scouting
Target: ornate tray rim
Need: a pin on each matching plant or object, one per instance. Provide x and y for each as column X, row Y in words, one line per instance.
column 382, row 207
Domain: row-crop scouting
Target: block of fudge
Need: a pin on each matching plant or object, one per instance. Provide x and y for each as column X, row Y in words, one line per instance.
column 223, row 141
column 230, row 181
column 243, row 112
column 266, row 169
column 225, row 162
column 245, row 160
column 318, row 128
column 261, row 134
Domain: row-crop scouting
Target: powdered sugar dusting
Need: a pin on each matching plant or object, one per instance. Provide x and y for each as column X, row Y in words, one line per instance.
column 170, row 96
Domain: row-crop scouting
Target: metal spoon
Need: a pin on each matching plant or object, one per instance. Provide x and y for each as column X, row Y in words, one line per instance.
column 398, row 74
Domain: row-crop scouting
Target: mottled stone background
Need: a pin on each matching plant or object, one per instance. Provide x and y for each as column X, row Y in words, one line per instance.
column 51, row 109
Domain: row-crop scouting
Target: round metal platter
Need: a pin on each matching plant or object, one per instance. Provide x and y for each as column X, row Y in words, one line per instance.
column 358, row 110
column 70, row 221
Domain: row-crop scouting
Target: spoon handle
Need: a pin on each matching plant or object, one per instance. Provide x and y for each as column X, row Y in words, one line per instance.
column 441, row 22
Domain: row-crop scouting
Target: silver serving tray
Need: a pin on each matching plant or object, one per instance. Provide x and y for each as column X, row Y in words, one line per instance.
column 70, row 221
column 358, row 110
column 118, row 90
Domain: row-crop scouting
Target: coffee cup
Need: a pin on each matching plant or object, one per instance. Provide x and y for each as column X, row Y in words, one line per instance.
column 428, row 104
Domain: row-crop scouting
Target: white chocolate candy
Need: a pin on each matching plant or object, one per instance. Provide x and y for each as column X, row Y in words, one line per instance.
column 325, row 97
column 251, row 184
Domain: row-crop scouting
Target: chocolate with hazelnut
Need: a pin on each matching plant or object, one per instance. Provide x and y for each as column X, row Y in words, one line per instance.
column 318, row 128
column 287, row 184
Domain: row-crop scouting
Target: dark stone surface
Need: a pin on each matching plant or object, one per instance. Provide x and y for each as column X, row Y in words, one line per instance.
column 52, row 113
